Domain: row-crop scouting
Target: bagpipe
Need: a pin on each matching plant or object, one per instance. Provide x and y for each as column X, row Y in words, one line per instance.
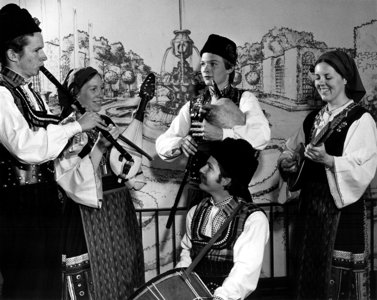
column 224, row 113
column 129, row 164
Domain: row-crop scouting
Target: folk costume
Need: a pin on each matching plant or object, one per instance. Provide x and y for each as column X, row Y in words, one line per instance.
column 30, row 208
column 101, row 239
column 255, row 130
column 231, row 268
column 329, row 233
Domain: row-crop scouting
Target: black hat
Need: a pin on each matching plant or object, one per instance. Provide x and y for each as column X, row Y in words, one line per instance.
column 346, row 67
column 15, row 22
column 238, row 159
column 221, row 46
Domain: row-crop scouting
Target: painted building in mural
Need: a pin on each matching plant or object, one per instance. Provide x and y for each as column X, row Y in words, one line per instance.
column 366, row 59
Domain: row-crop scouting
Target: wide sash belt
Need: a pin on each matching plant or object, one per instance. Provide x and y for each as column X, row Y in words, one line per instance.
column 12, row 175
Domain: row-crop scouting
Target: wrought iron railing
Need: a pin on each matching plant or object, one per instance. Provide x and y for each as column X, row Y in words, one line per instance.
column 277, row 214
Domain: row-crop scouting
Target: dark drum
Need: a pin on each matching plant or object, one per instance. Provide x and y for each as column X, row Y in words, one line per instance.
column 172, row 285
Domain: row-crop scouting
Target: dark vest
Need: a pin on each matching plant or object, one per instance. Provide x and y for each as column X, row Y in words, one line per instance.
column 334, row 143
column 215, row 266
column 13, row 172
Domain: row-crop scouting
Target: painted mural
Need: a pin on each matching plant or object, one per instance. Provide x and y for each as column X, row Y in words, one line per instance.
column 276, row 67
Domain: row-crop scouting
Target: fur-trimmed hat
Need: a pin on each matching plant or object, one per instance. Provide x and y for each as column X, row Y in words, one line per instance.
column 14, row 22
column 238, row 159
column 221, row 46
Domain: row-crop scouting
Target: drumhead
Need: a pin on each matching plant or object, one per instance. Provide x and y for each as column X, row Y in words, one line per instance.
column 172, row 285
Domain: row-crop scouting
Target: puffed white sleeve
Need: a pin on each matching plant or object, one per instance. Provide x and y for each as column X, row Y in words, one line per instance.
column 27, row 145
column 185, row 258
column 256, row 129
column 356, row 168
column 78, row 177
column 248, row 254
column 168, row 144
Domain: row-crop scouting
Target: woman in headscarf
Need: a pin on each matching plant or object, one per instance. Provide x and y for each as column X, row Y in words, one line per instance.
column 329, row 233
column 102, row 249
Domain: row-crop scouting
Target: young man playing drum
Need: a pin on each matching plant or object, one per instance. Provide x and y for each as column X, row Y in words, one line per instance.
column 231, row 267
column 218, row 62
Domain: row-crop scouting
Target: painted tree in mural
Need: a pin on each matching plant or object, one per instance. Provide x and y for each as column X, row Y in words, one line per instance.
column 103, row 55
column 250, row 52
column 275, row 42
column 101, row 50
column 67, row 51
column 69, row 47
column 118, row 67
column 111, row 79
column 278, row 40
column 128, row 77
column 83, row 43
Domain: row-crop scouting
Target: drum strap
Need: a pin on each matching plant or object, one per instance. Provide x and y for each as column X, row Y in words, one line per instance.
column 214, row 239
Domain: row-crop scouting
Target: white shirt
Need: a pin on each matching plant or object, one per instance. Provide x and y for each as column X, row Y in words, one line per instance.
column 256, row 130
column 355, row 169
column 248, row 254
column 28, row 146
column 77, row 176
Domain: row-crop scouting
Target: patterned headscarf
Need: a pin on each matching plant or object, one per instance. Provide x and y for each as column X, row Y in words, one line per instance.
column 346, row 67
column 74, row 81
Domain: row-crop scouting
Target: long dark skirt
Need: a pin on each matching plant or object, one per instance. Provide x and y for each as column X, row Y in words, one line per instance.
column 321, row 233
column 114, row 246
column 77, row 275
column 30, row 257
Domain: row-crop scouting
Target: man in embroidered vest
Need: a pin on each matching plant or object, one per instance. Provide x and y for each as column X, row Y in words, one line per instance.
column 218, row 62
column 231, row 268
column 30, row 139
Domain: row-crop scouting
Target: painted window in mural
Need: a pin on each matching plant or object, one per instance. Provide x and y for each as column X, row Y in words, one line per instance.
column 279, row 76
column 308, row 60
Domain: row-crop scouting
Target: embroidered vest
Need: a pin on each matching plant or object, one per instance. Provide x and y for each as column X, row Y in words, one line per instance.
column 334, row 144
column 13, row 172
column 215, row 266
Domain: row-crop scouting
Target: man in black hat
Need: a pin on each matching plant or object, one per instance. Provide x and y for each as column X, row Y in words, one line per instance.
column 231, row 268
column 218, row 62
column 30, row 139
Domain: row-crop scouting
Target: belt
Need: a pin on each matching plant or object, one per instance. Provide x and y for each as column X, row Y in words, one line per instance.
column 12, row 175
